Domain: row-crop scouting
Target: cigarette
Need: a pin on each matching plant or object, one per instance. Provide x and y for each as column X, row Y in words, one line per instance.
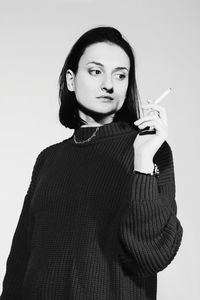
column 158, row 100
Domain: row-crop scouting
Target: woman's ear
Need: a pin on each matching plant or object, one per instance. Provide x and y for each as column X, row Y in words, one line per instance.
column 70, row 80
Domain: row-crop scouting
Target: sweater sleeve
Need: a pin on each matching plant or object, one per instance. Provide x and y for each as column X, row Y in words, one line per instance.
column 149, row 232
column 20, row 246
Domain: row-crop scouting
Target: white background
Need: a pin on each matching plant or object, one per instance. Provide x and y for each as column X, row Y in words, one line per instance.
column 35, row 38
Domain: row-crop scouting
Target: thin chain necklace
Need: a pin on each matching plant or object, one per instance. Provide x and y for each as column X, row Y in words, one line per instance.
column 88, row 140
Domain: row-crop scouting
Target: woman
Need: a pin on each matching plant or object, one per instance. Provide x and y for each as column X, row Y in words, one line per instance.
column 98, row 221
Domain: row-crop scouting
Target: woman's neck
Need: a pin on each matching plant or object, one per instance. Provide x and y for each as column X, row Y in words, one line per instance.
column 91, row 122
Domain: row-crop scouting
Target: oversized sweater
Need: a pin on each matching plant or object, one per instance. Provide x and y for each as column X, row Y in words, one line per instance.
column 90, row 228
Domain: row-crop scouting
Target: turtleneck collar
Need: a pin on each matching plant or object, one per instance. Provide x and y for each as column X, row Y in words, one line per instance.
column 106, row 130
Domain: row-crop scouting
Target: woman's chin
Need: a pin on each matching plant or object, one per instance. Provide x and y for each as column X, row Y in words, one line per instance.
column 98, row 112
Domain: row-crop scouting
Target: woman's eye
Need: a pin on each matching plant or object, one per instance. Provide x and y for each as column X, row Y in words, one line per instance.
column 121, row 76
column 96, row 72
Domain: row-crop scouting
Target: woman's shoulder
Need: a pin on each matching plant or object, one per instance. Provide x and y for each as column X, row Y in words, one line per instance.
column 49, row 150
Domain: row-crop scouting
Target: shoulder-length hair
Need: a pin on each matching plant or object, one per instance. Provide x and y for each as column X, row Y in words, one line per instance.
column 68, row 111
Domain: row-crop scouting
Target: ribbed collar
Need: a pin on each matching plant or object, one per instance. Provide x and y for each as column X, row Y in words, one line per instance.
column 107, row 130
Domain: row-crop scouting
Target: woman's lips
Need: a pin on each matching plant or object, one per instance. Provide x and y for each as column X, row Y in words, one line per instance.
column 106, row 97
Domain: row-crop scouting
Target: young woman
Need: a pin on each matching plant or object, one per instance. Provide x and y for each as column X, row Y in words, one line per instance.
column 99, row 218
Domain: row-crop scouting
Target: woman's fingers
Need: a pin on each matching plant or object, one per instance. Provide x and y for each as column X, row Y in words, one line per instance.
column 151, row 123
column 159, row 110
column 160, row 129
column 148, row 118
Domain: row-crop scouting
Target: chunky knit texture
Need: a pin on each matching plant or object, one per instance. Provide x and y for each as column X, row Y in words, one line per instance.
column 90, row 228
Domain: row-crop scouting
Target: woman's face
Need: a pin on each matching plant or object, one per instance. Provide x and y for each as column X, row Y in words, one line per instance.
column 102, row 71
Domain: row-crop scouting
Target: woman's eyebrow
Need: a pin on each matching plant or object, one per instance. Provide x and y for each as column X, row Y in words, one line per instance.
column 99, row 64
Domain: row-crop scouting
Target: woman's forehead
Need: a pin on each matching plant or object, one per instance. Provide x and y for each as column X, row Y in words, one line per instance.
column 106, row 54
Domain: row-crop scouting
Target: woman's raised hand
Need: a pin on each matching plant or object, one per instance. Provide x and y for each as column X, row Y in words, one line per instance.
column 145, row 146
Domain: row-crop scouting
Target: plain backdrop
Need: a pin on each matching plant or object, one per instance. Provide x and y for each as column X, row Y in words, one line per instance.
column 35, row 38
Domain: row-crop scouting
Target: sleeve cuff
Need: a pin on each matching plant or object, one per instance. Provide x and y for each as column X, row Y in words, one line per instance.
column 144, row 187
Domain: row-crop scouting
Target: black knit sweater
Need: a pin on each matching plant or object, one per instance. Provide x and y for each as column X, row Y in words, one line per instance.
column 90, row 228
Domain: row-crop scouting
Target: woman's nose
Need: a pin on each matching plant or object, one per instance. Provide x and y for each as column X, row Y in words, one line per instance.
column 107, row 83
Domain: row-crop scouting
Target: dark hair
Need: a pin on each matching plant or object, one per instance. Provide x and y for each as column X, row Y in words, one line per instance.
column 68, row 112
